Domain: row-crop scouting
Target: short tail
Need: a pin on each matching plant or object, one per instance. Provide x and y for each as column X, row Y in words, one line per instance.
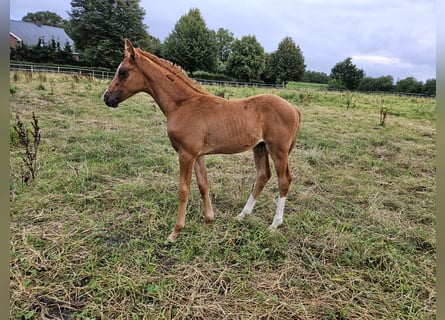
column 294, row 142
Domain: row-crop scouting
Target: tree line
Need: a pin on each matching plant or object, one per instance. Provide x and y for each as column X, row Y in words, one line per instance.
column 44, row 52
column 98, row 27
column 346, row 75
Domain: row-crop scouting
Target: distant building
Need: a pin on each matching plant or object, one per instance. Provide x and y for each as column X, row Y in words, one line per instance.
column 29, row 33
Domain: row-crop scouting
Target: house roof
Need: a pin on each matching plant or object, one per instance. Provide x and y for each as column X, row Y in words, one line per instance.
column 29, row 33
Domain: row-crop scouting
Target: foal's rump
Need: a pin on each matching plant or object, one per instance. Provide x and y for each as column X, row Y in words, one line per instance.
column 280, row 121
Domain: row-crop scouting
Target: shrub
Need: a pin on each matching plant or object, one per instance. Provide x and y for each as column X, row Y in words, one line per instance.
column 211, row 76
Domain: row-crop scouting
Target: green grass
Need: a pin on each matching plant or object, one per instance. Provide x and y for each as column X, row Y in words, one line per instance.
column 88, row 235
column 305, row 85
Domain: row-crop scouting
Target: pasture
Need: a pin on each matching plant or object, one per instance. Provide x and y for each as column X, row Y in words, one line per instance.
column 88, row 235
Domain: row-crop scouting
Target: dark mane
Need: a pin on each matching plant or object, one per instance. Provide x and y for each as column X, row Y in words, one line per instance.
column 173, row 68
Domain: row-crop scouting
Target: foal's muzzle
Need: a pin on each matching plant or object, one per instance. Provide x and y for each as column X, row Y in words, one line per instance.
column 111, row 99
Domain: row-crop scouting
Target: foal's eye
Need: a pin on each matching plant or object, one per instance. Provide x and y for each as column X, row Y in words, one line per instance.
column 122, row 73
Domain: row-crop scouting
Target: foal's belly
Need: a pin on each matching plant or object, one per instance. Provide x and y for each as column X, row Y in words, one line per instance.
column 230, row 141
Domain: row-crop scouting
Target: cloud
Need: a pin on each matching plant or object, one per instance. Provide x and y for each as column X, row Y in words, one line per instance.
column 377, row 66
column 370, row 59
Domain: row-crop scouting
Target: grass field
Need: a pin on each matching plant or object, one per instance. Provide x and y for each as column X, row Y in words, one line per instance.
column 305, row 85
column 88, row 234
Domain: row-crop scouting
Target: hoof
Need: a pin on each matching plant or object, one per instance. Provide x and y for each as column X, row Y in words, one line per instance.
column 171, row 238
column 241, row 216
column 274, row 226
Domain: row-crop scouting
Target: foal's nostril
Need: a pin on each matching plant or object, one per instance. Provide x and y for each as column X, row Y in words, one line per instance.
column 110, row 100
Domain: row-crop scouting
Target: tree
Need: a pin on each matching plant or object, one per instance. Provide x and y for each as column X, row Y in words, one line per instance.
column 315, row 77
column 346, row 74
column 224, row 40
column 155, row 46
column 191, row 44
column 269, row 74
column 247, row 59
column 47, row 18
column 43, row 53
column 367, row 84
column 429, row 87
column 98, row 28
column 288, row 61
column 65, row 55
column 409, row 85
column 384, row 83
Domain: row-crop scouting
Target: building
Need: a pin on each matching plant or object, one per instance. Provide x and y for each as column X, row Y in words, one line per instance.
column 29, row 33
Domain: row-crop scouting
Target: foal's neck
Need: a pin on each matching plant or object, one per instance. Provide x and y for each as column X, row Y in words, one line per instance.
column 169, row 90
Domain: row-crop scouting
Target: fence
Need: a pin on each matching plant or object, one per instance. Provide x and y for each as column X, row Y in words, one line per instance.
column 392, row 93
column 225, row 83
column 64, row 69
column 109, row 75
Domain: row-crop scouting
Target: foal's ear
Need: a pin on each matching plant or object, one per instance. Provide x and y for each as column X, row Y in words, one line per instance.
column 129, row 50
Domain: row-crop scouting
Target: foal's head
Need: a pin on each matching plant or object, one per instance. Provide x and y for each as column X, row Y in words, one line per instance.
column 127, row 81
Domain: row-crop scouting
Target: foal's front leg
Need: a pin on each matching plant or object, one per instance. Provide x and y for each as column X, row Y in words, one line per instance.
column 186, row 162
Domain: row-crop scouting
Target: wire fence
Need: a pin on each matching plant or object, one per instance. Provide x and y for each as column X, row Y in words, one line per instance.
column 109, row 75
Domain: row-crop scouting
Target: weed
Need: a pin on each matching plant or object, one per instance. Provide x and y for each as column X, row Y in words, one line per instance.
column 52, row 84
column 29, row 76
column 76, row 77
column 41, row 76
column 350, row 99
column 306, row 97
column 383, row 114
column 29, row 156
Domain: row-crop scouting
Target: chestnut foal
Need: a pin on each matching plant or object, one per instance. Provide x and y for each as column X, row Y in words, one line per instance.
column 199, row 123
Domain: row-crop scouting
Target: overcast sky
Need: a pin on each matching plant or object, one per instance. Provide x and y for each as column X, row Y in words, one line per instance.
column 384, row 37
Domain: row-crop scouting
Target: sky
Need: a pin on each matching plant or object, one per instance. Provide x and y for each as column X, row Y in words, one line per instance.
column 383, row 37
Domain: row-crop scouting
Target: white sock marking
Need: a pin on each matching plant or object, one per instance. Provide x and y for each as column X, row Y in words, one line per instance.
column 248, row 207
column 278, row 218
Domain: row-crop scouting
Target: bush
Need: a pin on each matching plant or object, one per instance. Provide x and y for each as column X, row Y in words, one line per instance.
column 211, row 76
column 336, row 84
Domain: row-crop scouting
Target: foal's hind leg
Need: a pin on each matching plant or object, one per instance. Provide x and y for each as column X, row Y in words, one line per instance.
column 281, row 163
column 261, row 157
column 203, row 184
